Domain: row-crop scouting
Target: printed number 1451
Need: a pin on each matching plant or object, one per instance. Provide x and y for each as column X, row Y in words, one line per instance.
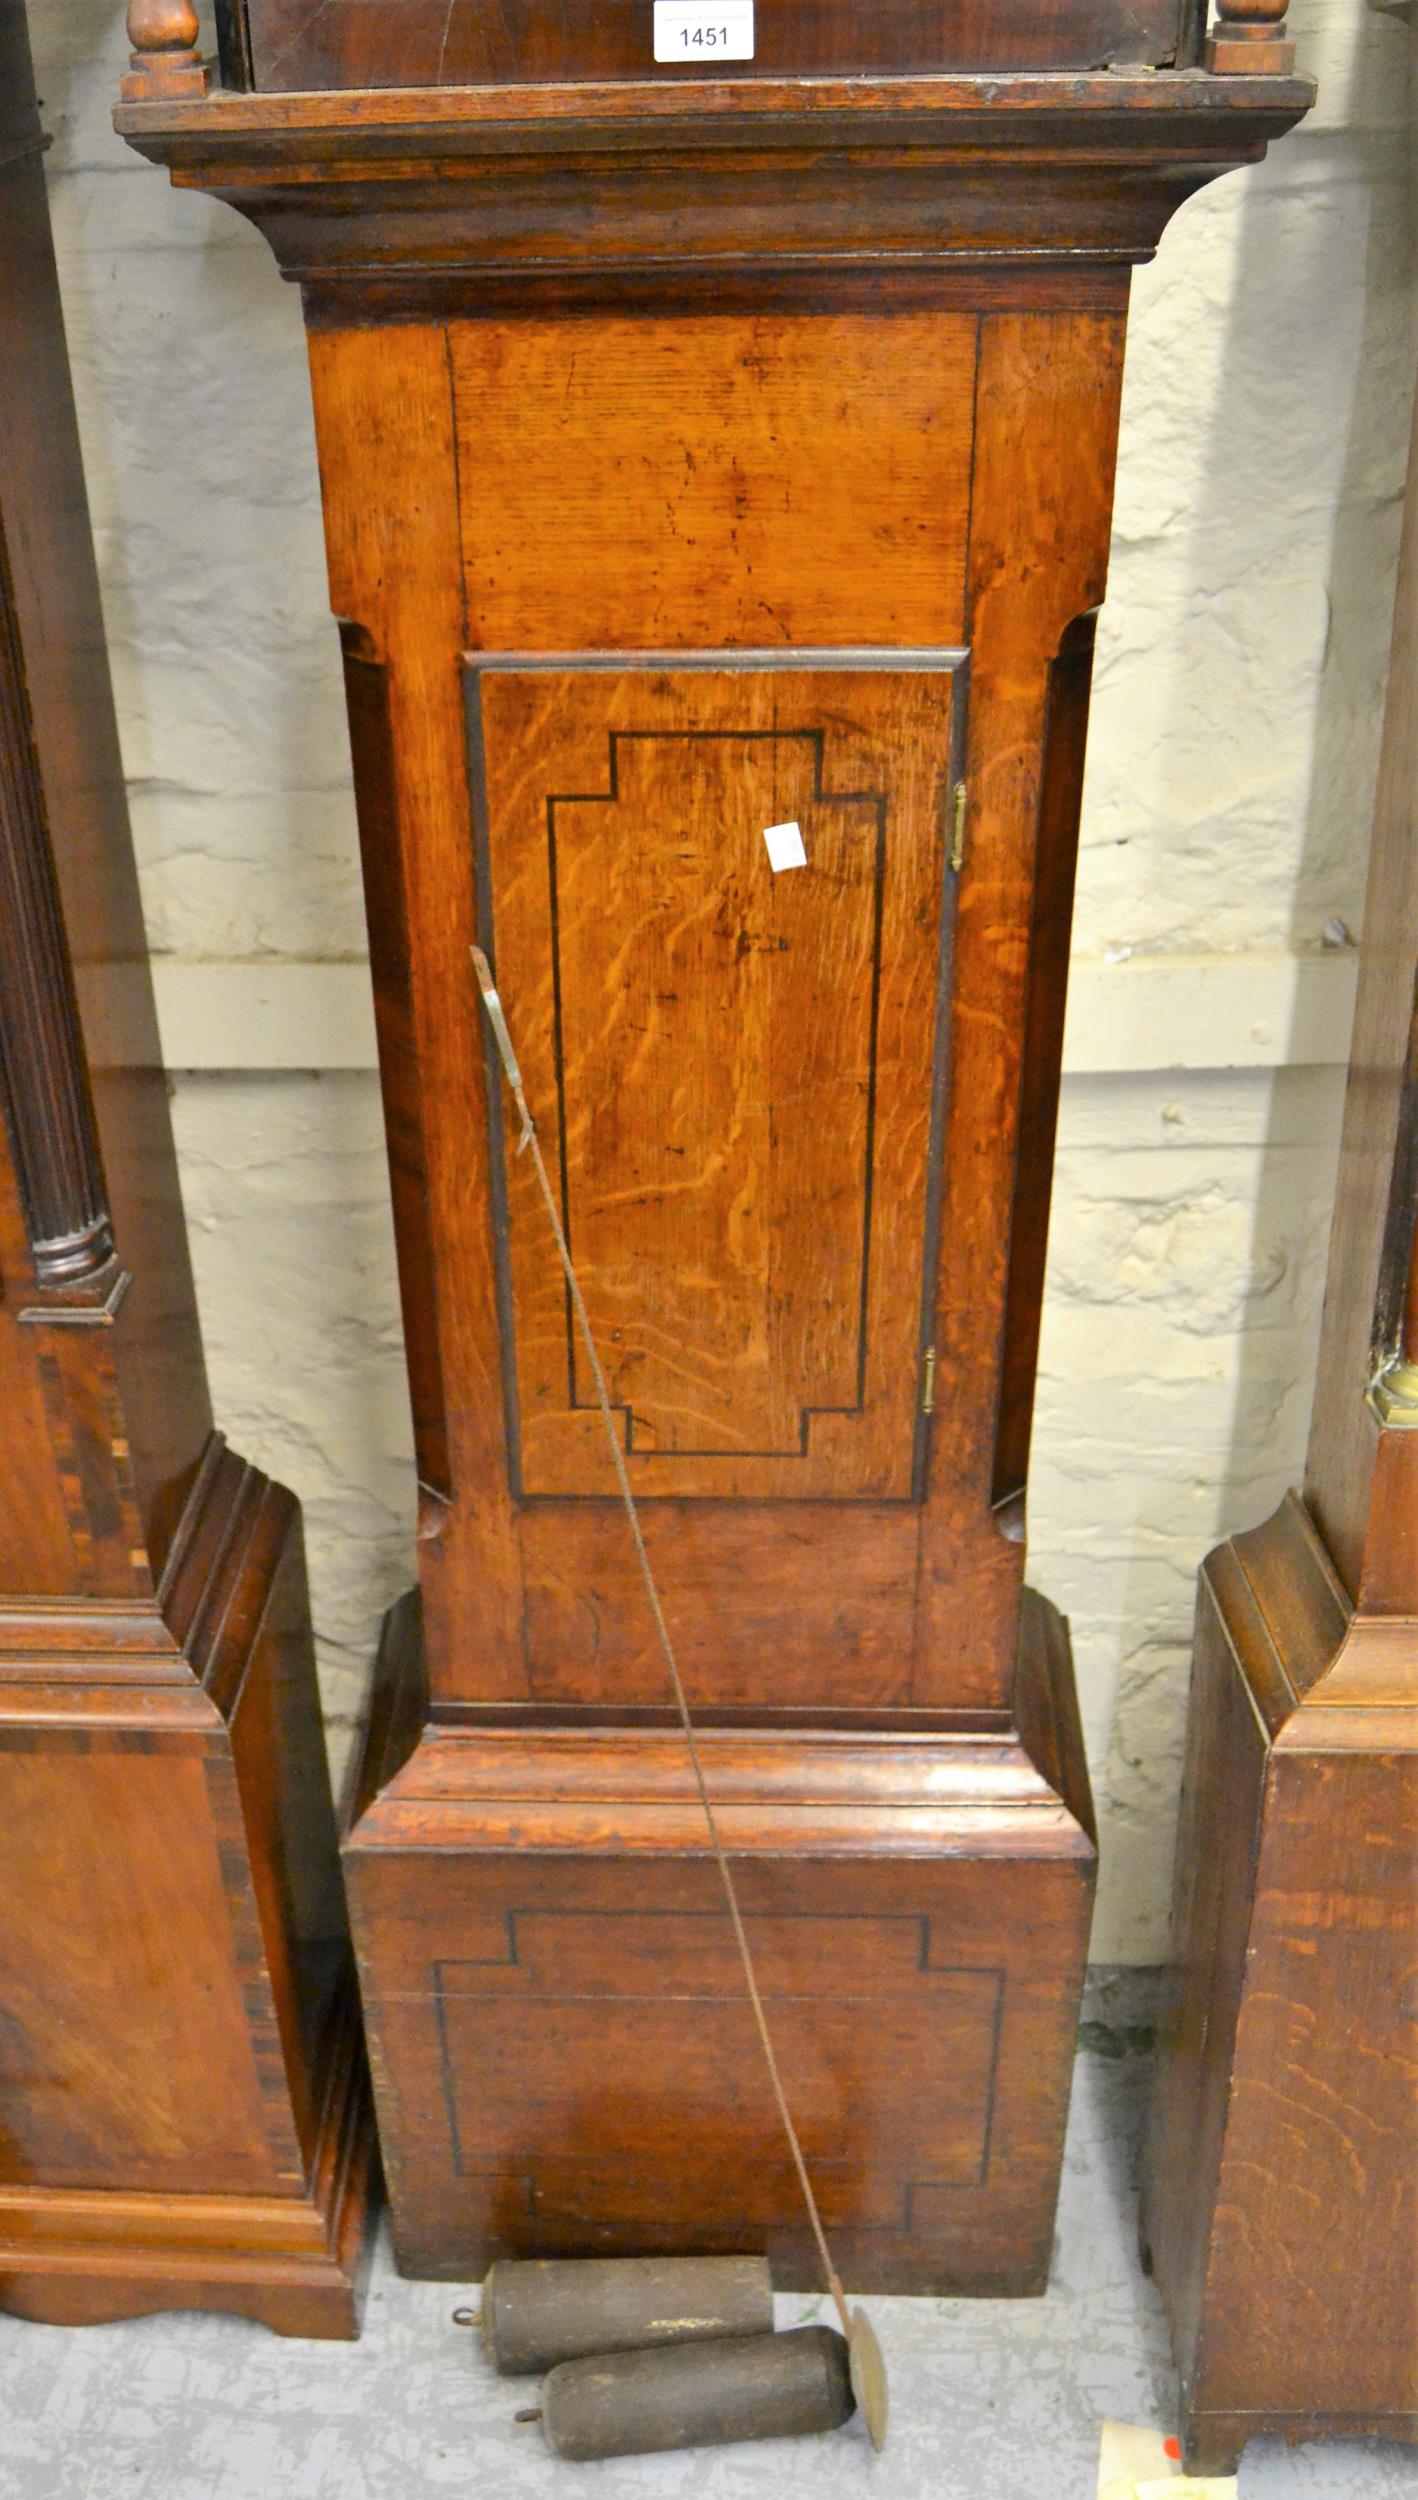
column 691, row 30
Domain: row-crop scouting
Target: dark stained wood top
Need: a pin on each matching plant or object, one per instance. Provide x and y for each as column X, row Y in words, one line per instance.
column 1004, row 111
column 343, row 44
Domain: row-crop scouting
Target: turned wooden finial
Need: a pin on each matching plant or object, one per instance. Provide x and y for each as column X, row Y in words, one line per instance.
column 164, row 57
column 1250, row 36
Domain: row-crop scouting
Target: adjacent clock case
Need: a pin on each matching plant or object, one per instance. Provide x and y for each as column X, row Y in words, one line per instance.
column 699, row 457
column 185, row 2116
column 1285, row 2081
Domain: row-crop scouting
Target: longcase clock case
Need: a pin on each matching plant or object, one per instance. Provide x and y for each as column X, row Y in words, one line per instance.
column 698, row 456
column 1285, row 2072
column 184, row 2106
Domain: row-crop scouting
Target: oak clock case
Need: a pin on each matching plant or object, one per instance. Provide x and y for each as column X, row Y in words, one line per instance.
column 184, row 2108
column 1285, row 2068
column 700, row 455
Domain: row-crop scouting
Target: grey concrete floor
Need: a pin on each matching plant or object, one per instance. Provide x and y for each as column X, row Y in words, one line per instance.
column 993, row 2400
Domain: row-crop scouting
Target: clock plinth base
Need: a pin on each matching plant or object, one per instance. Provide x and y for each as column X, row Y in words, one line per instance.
column 296, row 2265
column 185, row 2096
column 563, row 2059
column 1288, row 2038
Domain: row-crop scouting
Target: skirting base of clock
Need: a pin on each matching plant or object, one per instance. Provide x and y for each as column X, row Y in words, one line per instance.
column 185, row 2118
column 294, row 2264
column 563, row 2059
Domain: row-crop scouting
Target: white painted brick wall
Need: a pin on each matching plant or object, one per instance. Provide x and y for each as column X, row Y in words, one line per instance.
column 1229, row 785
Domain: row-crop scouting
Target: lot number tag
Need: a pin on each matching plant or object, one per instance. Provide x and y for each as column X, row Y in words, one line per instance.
column 697, row 31
column 786, row 848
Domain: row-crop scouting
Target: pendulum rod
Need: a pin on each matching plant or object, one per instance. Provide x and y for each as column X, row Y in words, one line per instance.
column 529, row 1139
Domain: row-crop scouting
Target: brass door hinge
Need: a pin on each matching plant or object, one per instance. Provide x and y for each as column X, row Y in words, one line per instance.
column 957, row 827
column 928, row 1382
column 1393, row 1394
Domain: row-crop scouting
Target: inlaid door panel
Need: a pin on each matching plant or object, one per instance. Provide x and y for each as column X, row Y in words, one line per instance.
column 734, row 1068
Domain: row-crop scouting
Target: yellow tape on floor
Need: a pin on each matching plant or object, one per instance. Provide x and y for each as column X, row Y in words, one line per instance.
column 1137, row 2464
column 1189, row 2487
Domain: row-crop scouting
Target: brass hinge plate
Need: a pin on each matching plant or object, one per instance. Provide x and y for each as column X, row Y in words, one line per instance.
column 1393, row 1395
column 959, row 803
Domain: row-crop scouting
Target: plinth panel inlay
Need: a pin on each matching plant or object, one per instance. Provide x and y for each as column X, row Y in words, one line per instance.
column 661, row 1994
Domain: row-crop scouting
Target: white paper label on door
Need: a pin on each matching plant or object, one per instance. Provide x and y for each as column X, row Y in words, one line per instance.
column 785, row 846
column 694, row 31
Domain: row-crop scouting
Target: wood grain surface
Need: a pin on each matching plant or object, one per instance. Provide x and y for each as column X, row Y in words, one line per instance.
column 730, row 396
column 346, row 43
column 798, row 481
column 732, row 1067
column 559, row 2041
column 1279, row 2196
column 1046, row 415
column 800, row 197
column 186, row 2117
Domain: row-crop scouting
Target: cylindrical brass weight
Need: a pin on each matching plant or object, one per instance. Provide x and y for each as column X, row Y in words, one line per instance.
column 634, row 2404
column 538, row 2311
